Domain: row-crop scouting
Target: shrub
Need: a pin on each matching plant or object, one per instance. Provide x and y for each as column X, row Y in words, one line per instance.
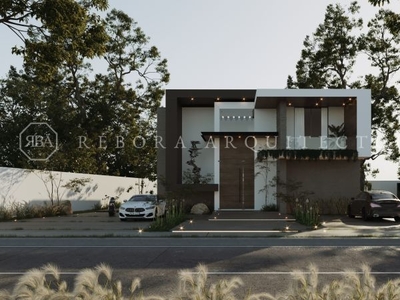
column 24, row 210
column 333, row 206
column 269, row 207
column 174, row 216
column 306, row 212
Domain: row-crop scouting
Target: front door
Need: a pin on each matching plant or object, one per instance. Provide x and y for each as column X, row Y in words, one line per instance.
column 236, row 174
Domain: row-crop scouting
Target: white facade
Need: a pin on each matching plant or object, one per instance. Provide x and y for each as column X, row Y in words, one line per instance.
column 194, row 121
column 262, row 114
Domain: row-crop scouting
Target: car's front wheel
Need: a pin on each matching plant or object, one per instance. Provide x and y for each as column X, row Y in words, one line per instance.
column 349, row 213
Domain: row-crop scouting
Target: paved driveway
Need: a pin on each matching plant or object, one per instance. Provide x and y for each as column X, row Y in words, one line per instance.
column 260, row 224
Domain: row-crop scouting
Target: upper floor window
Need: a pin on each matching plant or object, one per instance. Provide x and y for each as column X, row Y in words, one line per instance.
column 312, row 122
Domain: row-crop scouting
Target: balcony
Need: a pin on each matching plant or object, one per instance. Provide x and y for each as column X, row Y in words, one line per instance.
column 323, row 142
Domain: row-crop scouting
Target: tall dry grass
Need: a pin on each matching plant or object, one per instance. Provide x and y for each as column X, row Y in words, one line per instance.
column 98, row 284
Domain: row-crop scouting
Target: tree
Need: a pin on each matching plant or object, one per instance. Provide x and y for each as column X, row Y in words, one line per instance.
column 55, row 31
column 378, row 2
column 329, row 57
column 105, row 121
column 382, row 44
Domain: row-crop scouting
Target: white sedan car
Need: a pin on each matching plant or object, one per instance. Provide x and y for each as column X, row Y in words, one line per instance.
column 142, row 207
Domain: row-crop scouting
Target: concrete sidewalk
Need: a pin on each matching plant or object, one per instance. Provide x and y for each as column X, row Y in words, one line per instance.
column 218, row 224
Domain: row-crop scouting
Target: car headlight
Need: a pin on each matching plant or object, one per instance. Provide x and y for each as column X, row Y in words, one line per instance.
column 374, row 205
column 150, row 207
column 122, row 208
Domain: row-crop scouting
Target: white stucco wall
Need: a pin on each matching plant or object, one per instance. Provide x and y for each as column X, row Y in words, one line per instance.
column 265, row 120
column 234, row 110
column 264, row 191
column 364, row 123
column 194, row 121
column 19, row 185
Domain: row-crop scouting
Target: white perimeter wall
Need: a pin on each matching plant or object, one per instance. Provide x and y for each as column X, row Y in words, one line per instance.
column 387, row 185
column 19, row 185
column 194, row 121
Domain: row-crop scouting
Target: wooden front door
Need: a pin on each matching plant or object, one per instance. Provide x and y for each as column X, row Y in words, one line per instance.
column 236, row 174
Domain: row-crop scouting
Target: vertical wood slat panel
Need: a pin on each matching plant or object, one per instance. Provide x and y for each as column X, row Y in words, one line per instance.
column 232, row 162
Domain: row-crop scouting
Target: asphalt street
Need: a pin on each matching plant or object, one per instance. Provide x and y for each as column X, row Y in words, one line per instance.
column 264, row 264
column 262, row 253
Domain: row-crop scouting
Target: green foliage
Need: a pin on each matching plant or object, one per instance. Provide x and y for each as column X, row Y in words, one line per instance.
column 190, row 178
column 330, row 53
column 106, row 122
column 269, row 207
column 55, row 32
column 24, row 210
column 311, row 154
column 382, row 45
column 174, row 216
column 291, row 190
column 337, row 131
column 333, row 206
column 307, row 212
column 328, row 61
column 262, row 164
column 378, row 2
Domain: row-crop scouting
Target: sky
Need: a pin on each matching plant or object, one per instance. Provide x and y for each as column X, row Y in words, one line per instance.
column 228, row 44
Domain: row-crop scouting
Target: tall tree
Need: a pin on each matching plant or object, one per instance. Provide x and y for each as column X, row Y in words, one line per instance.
column 329, row 57
column 382, row 46
column 106, row 121
column 378, row 2
column 52, row 30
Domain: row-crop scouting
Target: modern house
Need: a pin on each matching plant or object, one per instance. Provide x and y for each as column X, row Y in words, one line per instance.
column 248, row 138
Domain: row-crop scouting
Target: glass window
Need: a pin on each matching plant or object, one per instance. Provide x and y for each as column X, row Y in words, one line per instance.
column 377, row 196
column 312, row 122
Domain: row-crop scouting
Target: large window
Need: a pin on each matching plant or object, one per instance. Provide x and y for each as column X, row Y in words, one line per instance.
column 312, row 122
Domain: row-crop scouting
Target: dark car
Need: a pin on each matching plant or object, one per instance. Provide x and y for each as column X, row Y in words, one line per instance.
column 375, row 204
